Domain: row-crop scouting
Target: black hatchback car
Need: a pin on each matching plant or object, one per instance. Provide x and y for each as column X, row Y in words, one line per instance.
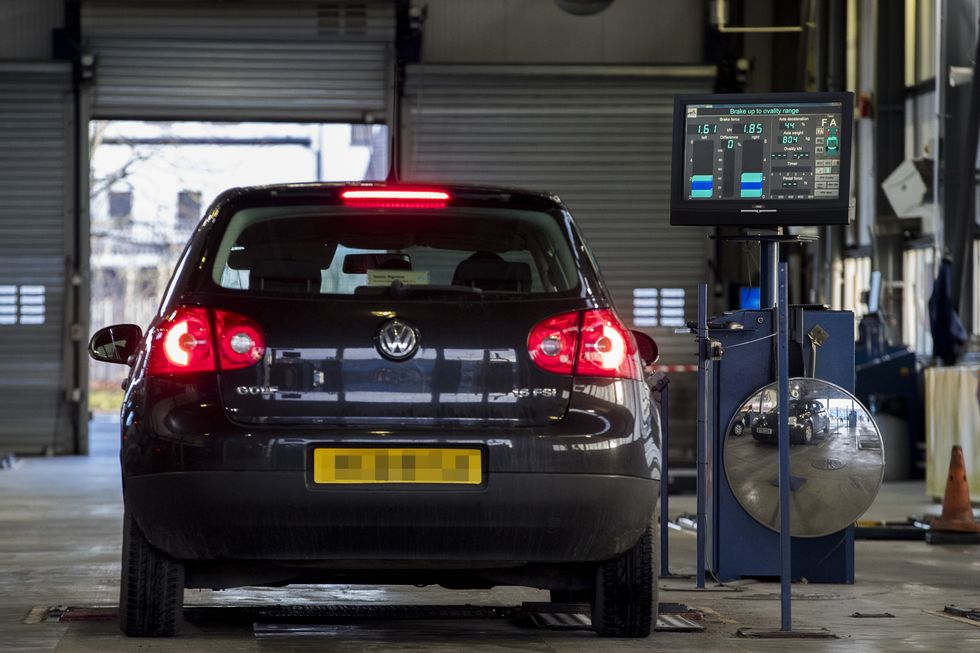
column 369, row 383
column 805, row 419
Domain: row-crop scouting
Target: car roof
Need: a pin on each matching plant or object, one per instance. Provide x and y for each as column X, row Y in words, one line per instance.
column 504, row 195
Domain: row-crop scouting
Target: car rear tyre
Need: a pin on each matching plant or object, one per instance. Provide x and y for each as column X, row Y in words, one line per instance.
column 625, row 600
column 737, row 429
column 151, row 592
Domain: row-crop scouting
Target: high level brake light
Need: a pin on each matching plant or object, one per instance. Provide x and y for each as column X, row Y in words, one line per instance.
column 390, row 198
column 587, row 343
column 185, row 342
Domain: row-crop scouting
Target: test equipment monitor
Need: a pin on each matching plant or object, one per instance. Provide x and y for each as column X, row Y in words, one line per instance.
column 778, row 159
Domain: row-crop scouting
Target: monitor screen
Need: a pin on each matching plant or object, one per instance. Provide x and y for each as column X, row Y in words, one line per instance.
column 759, row 158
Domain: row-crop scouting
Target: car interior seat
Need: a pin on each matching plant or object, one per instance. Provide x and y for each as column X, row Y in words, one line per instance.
column 488, row 271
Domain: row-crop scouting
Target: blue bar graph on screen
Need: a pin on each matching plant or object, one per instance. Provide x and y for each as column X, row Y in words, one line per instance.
column 752, row 176
column 702, row 178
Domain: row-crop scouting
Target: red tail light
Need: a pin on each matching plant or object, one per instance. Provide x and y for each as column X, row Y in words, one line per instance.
column 588, row 343
column 607, row 347
column 241, row 342
column 553, row 342
column 184, row 343
column 404, row 198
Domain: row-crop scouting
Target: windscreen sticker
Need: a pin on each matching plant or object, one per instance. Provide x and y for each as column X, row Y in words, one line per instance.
column 407, row 277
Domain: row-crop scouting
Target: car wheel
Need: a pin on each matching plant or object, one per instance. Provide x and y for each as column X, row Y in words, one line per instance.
column 738, row 428
column 571, row 596
column 151, row 592
column 625, row 600
column 807, row 433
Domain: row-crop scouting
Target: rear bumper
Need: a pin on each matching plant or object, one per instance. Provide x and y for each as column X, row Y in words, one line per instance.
column 276, row 516
column 795, row 435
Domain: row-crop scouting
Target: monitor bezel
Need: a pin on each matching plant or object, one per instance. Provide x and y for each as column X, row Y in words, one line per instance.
column 765, row 212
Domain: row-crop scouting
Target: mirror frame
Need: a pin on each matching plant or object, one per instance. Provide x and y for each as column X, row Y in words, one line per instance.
column 645, row 341
column 131, row 333
column 859, row 470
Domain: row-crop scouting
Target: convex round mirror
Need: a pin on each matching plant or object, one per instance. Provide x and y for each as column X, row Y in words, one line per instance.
column 836, row 458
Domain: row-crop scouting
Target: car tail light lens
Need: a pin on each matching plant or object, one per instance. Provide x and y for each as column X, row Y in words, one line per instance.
column 553, row 342
column 241, row 342
column 607, row 347
column 184, row 343
column 587, row 343
column 402, row 198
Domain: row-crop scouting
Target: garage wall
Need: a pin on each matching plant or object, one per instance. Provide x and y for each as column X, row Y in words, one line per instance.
column 25, row 28
column 538, row 31
column 35, row 218
column 598, row 136
column 248, row 60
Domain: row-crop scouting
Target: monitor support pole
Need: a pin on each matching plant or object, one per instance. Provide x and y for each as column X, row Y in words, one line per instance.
column 773, row 282
column 768, row 265
column 782, row 363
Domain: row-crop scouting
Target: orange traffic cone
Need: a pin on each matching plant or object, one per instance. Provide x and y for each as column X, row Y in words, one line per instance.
column 957, row 514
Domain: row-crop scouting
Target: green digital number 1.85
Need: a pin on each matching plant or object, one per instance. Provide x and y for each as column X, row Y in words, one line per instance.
column 752, row 128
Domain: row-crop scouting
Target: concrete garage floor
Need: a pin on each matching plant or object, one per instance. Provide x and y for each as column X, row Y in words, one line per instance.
column 60, row 521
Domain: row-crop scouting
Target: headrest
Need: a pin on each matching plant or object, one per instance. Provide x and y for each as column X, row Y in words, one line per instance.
column 244, row 258
column 284, row 276
column 487, row 271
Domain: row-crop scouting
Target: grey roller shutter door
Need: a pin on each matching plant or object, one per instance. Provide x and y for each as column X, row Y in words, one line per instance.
column 35, row 156
column 287, row 60
column 600, row 137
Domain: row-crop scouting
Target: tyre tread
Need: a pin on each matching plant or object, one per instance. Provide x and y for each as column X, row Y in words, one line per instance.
column 151, row 592
column 625, row 601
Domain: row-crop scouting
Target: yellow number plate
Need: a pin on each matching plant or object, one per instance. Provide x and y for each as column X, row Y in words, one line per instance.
column 372, row 465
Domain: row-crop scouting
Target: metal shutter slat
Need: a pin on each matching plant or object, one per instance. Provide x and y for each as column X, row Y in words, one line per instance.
column 249, row 60
column 34, row 150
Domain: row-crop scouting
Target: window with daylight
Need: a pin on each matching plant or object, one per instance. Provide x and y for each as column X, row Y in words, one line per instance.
column 976, row 287
column 658, row 307
column 857, row 282
column 22, row 305
column 917, row 275
column 120, row 203
column 189, row 206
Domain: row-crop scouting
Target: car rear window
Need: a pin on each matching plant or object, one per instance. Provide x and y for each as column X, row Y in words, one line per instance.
column 327, row 250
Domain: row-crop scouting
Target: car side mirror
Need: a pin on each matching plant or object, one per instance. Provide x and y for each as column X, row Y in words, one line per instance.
column 115, row 344
column 649, row 351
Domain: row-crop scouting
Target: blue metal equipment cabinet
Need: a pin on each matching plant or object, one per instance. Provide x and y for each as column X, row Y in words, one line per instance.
column 737, row 545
